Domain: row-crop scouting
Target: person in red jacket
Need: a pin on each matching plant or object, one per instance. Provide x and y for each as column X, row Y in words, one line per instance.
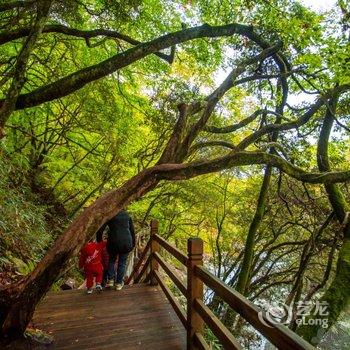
column 91, row 262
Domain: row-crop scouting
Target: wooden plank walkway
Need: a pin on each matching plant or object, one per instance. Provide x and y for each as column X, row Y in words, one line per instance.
column 137, row 317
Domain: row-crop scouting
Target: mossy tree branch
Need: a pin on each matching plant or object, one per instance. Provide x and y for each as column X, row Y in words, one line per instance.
column 337, row 296
column 80, row 78
column 11, row 35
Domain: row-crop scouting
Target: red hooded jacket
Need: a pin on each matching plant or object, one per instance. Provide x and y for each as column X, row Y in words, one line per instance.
column 91, row 254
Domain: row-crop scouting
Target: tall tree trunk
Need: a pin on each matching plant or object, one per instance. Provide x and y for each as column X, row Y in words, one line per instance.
column 337, row 296
column 18, row 78
column 246, row 267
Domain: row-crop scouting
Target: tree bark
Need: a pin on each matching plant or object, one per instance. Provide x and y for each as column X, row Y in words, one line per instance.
column 337, row 296
column 18, row 79
column 11, row 35
column 17, row 302
column 246, row 266
column 77, row 80
column 16, row 4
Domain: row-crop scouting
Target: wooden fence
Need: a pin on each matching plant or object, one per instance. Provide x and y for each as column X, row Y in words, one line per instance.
column 198, row 313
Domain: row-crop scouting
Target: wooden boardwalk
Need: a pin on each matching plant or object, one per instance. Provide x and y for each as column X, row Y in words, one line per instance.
column 137, row 317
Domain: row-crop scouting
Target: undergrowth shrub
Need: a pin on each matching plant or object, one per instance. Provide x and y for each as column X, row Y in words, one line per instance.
column 24, row 235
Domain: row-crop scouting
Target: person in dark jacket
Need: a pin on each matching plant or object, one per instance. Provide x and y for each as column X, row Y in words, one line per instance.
column 120, row 242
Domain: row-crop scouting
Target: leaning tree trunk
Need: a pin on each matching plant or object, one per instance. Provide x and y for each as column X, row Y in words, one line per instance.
column 337, row 296
column 18, row 302
column 246, row 267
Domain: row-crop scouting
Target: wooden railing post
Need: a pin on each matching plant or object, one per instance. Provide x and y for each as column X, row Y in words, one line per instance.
column 194, row 289
column 154, row 249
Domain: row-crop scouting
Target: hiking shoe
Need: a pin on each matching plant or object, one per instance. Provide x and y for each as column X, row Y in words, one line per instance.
column 98, row 288
column 119, row 286
column 89, row 291
column 110, row 284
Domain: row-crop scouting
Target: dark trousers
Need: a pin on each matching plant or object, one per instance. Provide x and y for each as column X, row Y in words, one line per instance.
column 104, row 278
column 119, row 276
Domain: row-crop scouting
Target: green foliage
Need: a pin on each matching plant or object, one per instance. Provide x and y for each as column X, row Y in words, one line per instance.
column 63, row 154
column 24, row 232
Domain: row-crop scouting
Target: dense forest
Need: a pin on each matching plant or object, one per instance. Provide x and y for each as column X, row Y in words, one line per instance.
column 223, row 119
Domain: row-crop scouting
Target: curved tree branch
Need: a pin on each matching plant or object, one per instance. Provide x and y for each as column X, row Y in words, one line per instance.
column 233, row 159
column 239, row 125
column 77, row 80
column 217, row 94
column 24, row 296
column 8, row 36
column 270, row 128
column 200, row 145
column 16, row 4
column 337, row 295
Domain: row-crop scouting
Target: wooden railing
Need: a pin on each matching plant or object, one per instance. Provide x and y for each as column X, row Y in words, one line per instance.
column 197, row 312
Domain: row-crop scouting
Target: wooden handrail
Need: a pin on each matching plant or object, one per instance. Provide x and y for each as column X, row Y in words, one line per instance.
column 279, row 335
column 200, row 342
column 174, row 303
column 197, row 311
column 195, row 322
column 139, row 263
column 166, row 267
column 154, row 249
column 144, row 268
column 222, row 333
column 178, row 254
